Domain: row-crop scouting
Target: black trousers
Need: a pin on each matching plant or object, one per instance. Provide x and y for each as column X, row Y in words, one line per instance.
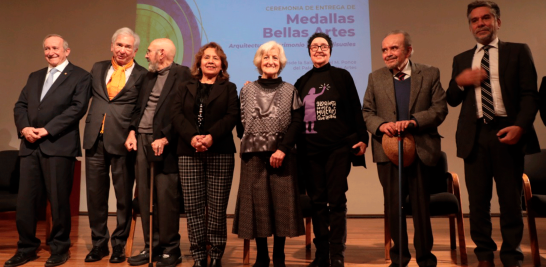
column 98, row 164
column 414, row 183
column 326, row 184
column 166, row 238
column 51, row 175
column 491, row 160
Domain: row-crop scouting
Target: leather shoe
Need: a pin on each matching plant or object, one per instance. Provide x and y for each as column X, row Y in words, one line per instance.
column 169, row 260
column 320, row 262
column 200, row 263
column 57, row 259
column 20, row 258
column 486, row 264
column 278, row 262
column 215, row 262
column 118, row 254
column 142, row 258
column 96, row 254
column 338, row 263
column 262, row 262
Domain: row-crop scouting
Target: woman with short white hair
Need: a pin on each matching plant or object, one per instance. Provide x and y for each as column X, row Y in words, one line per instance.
column 271, row 118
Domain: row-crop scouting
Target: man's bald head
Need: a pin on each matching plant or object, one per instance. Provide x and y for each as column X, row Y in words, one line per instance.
column 168, row 47
column 160, row 54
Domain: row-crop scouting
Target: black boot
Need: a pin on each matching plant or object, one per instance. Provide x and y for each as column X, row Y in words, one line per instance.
column 262, row 259
column 278, row 251
column 322, row 254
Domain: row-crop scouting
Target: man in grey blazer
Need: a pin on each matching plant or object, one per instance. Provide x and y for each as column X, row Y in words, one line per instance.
column 401, row 93
column 116, row 87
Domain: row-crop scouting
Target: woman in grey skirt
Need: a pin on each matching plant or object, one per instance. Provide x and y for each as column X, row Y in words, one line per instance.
column 271, row 118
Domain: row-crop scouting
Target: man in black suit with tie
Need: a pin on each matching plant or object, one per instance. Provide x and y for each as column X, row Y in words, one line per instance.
column 497, row 84
column 47, row 117
column 151, row 132
column 116, row 87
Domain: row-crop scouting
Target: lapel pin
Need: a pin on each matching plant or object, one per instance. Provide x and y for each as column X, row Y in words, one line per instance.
column 65, row 73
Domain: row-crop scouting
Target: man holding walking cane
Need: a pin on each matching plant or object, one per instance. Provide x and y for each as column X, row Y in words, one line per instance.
column 151, row 133
column 399, row 95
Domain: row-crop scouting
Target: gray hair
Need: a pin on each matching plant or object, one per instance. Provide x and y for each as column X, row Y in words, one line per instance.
column 65, row 43
column 127, row 31
column 407, row 38
column 493, row 7
column 266, row 48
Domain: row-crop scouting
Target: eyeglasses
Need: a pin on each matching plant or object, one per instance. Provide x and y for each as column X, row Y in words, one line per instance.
column 148, row 51
column 323, row 47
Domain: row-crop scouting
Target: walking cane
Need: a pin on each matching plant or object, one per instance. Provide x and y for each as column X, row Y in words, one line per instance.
column 150, row 261
column 400, row 173
column 400, row 167
column 152, row 158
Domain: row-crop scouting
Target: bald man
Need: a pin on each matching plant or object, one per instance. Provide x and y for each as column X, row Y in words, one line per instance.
column 150, row 133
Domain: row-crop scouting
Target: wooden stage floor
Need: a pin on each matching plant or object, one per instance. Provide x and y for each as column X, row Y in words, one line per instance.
column 364, row 244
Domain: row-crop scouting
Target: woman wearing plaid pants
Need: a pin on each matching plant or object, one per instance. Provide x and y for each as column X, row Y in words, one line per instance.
column 204, row 112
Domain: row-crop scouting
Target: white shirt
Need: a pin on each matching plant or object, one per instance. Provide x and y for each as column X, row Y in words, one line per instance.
column 498, row 104
column 406, row 70
column 127, row 72
column 60, row 69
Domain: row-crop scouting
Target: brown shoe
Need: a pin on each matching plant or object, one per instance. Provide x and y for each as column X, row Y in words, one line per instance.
column 486, row 264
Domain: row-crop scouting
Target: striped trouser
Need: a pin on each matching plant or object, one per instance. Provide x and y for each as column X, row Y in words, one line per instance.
column 206, row 182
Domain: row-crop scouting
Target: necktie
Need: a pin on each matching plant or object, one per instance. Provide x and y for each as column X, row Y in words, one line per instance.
column 400, row 76
column 49, row 81
column 487, row 97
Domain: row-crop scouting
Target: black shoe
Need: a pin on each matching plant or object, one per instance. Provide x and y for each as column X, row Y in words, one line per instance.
column 215, row 262
column 278, row 262
column 20, row 258
column 169, row 260
column 142, row 258
column 320, row 262
column 338, row 263
column 57, row 259
column 96, row 254
column 200, row 263
column 262, row 262
column 118, row 254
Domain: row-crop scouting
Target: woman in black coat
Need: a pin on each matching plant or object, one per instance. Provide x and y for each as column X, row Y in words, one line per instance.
column 204, row 113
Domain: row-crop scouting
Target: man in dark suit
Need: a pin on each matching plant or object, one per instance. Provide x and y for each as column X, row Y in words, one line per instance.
column 496, row 82
column 116, row 86
column 151, row 132
column 401, row 93
column 47, row 117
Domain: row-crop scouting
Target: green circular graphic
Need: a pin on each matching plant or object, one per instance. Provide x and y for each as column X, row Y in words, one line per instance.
column 153, row 23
